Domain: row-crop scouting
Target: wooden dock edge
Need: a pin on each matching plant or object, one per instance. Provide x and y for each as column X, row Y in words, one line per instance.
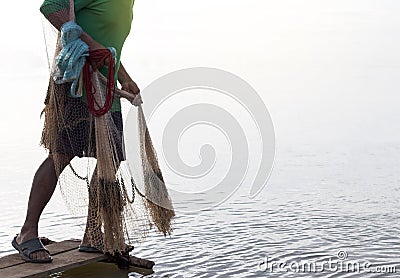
column 65, row 256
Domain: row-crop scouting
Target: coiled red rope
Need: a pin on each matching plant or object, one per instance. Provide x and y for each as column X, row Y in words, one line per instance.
column 96, row 59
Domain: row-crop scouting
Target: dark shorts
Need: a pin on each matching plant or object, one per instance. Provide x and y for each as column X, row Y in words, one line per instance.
column 77, row 135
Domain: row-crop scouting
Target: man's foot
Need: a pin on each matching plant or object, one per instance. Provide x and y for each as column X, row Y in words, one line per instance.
column 27, row 250
column 90, row 249
column 87, row 247
column 37, row 255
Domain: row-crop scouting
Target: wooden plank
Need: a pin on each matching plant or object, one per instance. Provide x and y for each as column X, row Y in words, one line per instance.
column 65, row 255
column 61, row 261
column 54, row 248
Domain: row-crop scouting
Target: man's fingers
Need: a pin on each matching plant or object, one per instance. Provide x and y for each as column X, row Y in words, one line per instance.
column 135, row 89
column 99, row 65
column 131, row 88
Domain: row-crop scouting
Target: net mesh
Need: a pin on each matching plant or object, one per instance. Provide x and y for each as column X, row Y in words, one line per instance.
column 95, row 179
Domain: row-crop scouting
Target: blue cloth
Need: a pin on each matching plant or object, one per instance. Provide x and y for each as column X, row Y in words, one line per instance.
column 72, row 57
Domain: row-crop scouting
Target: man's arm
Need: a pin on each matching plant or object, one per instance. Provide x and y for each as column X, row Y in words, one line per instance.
column 127, row 84
column 57, row 13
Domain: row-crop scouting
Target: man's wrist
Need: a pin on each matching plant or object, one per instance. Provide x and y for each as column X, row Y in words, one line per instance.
column 123, row 77
column 86, row 38
column 124, row 80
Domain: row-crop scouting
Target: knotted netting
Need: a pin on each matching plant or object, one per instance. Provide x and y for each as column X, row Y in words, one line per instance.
column 85, row 138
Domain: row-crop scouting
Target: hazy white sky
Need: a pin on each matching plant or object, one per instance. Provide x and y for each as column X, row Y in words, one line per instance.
column 301, row 56
column 222, row 32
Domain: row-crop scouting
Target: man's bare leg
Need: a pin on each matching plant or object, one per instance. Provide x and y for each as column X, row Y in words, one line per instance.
column 43, row 186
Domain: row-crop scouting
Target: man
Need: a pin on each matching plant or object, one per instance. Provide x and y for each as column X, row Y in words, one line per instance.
column 106, row 23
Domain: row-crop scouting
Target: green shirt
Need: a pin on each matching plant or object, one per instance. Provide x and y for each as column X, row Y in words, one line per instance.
column 107, row 21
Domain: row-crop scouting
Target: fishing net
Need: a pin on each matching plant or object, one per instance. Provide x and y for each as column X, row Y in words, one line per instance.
column 85, row 139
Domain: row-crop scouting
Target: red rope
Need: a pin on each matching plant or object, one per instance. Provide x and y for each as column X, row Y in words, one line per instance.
column 96, row 59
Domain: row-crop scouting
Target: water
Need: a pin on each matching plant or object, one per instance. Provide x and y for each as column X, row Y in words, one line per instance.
column 327, row 72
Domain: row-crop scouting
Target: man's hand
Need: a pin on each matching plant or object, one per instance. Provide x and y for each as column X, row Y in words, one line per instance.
column 131, row 88
column 94, row 45
column 127, row 84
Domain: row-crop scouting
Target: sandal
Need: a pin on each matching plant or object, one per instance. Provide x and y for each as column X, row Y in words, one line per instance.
column 29, row 247
column 91, row 249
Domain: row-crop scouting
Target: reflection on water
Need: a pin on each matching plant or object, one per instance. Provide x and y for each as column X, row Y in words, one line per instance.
column 313, row 208
column 96, row 270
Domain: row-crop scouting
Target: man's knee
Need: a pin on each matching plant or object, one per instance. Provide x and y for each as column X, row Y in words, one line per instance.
column 60, row 161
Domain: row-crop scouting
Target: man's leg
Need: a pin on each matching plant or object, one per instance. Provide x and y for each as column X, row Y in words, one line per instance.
column 43, row 186
column 93, row 235
column 93, row 225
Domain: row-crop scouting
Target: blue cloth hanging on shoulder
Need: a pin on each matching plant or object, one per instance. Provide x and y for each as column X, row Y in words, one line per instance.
column 72, row 57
